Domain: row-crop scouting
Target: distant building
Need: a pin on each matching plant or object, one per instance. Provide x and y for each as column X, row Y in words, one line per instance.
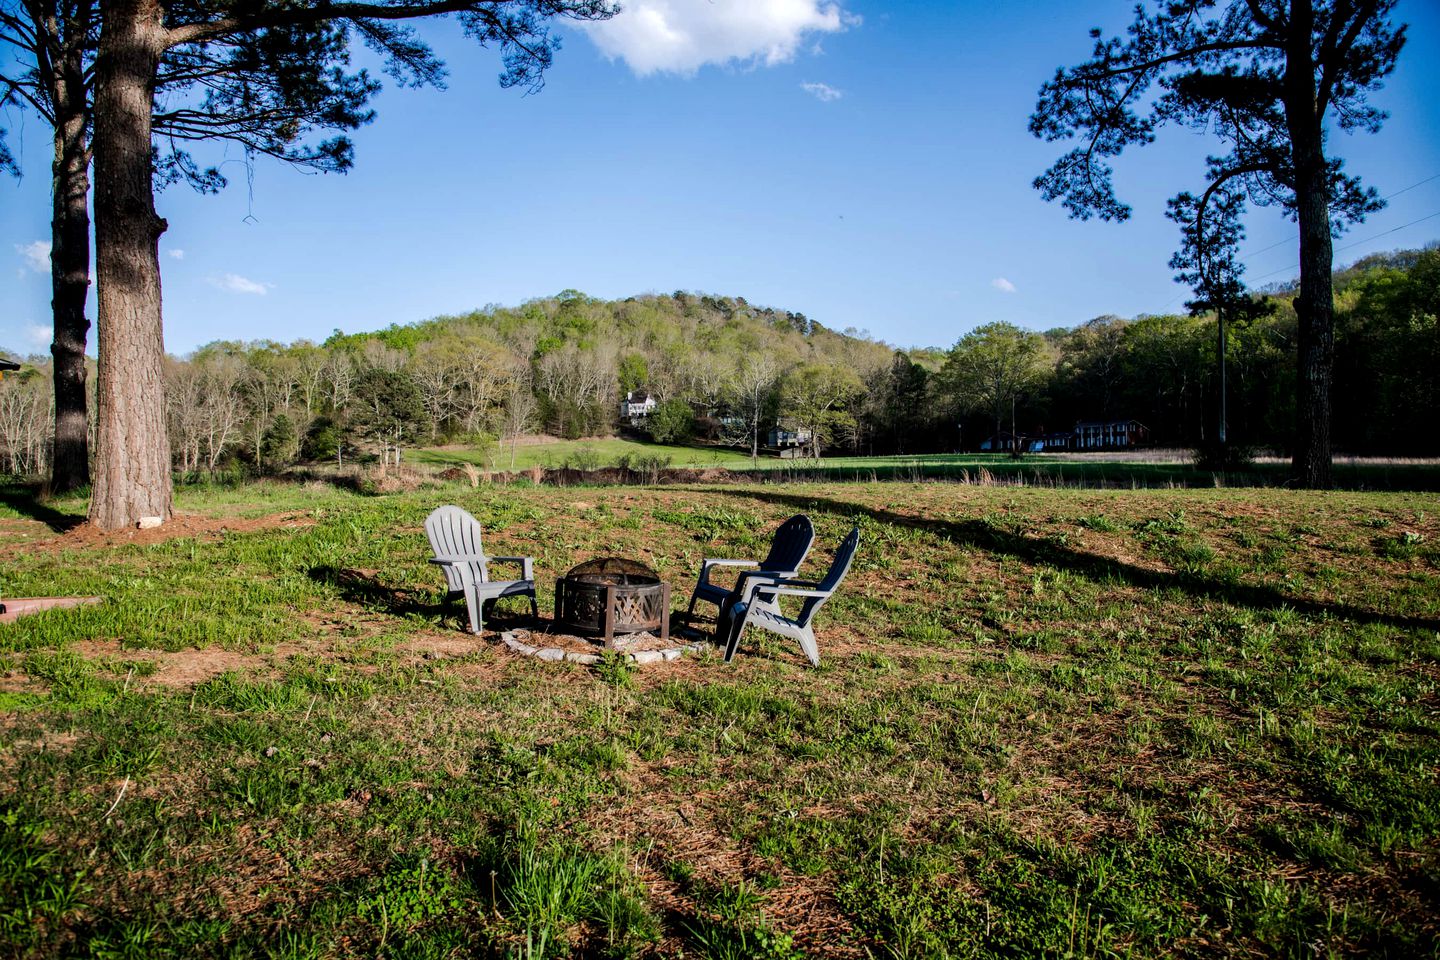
column 1087, row 435
column 1109, row 435
column 637, row 405
column 784, row 439
column 1005, row 440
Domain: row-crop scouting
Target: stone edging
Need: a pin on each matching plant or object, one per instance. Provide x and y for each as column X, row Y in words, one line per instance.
column 511, row 640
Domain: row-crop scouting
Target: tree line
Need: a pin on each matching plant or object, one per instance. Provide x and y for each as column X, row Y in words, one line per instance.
column 725, row 371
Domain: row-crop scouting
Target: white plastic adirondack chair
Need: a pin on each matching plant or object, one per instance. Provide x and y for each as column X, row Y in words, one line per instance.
column 455, row 538
column 788, row 549
column 759, row 604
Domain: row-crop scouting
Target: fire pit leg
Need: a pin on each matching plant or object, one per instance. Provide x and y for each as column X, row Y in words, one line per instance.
column 664, row 611
column 610, row 617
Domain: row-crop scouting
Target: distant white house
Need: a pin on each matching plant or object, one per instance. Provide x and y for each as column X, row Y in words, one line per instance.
column 637, row 405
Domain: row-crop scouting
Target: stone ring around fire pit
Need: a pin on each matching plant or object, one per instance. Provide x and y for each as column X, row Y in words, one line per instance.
column 524, row 642
column 610, row 602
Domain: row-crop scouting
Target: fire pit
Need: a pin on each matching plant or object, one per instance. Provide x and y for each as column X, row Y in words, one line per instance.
column 611, row 596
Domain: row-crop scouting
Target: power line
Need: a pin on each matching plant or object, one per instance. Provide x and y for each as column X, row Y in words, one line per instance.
column 1281, row 243
column 1413, row 186
column 1357, row 243
column 1388, row 232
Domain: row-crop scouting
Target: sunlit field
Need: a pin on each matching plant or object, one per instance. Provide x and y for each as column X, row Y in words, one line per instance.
column 1140, row 468
column 1046, row 722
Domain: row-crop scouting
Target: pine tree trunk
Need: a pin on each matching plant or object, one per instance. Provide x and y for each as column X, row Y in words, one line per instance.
column 70, row 281
column 1315, row 306
column 132, row 475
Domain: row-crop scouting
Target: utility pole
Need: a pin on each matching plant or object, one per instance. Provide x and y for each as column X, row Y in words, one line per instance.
column 1220, row 318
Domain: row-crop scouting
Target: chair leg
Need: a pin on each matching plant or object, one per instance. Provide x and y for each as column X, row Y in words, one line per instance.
column 534, row 607
column 812, row 650
column 738, row 615
column 474, row 605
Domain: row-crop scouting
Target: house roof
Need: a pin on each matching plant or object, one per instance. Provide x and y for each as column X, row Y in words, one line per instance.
column 8, row 364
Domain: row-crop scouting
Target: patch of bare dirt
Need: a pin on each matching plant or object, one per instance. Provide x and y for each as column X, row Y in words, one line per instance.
column 87, row 536
column 186, row 668
column 436, row 646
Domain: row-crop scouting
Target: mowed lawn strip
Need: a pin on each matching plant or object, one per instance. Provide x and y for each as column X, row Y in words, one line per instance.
column 1046, row 722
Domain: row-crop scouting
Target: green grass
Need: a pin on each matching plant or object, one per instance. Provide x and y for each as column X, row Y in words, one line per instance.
column 981, row 468
column 589, row 453
column 1048, row 722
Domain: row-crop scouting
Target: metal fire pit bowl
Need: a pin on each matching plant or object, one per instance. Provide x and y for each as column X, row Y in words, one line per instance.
column 611, row 596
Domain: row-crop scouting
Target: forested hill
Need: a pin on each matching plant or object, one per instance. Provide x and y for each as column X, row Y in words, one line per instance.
column 665, row 342
column 584, row 353
column 642, row 323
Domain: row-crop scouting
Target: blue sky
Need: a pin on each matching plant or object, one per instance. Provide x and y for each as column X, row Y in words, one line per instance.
column 864, row 163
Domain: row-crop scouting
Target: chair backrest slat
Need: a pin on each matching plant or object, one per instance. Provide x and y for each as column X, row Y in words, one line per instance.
column 454, row 533
column 791, row 544
column 844, row 556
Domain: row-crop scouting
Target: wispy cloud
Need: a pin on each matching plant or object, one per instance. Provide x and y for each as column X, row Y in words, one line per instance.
column 822, row 91
column 38, row 335
column 176, row 254
column 681, row 36
column 1003, row 285
column 36, row 255
column 234, row 283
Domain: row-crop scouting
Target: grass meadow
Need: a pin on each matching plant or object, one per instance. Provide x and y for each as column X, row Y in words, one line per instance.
column 1137, row 469
column 1047, row 722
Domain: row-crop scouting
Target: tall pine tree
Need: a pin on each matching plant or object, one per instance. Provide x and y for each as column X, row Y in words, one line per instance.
column 1270, row 78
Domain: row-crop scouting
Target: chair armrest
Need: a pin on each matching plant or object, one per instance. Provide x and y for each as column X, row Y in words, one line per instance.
column 527, row 565
column 798, row 592
column 456, row 561
column 755, row 582
column 459, row 566
column 710, row 563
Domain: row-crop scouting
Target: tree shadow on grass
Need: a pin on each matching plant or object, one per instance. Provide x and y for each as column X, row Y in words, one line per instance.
column 366, row 590
column 25, row 500
column 982, row 535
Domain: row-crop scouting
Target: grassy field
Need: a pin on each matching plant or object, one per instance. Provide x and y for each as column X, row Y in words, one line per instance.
column 1048, row 722
column 1105, row 470
column 600, row 452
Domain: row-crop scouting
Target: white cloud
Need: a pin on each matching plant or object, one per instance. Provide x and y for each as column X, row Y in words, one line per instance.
column 234, row 283
column 681, row 36
column 176, row 254
column 36, row 255
column 1003, row 285
column 822, row 91
column 38, row 335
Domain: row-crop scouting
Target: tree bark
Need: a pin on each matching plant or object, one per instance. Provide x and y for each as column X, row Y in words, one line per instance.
column 132, row 478
column 1315, row 305
column 70, row 271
